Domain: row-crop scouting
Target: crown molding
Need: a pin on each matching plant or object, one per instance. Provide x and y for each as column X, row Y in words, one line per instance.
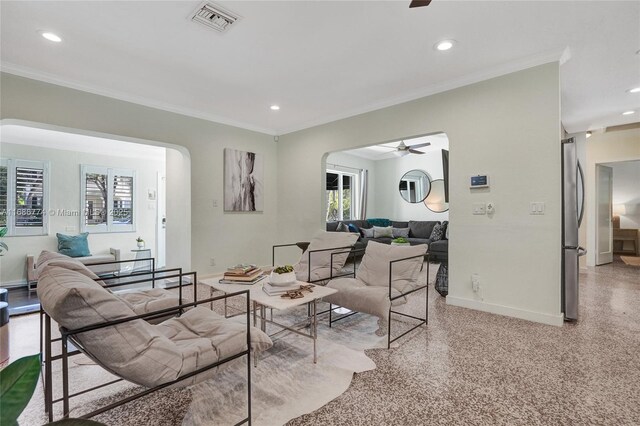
column 498, row 71
column 21, row 71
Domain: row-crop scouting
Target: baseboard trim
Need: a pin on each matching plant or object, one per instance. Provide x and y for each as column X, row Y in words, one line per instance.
column 557, row 320
column 13, row 284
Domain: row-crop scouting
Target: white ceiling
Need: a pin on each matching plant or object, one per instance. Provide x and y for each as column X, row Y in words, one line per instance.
column 45, row 138
column 324, row 60
column 386, row 151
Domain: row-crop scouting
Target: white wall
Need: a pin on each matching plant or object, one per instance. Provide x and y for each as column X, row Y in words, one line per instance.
column 353, row 161
column 626, row 191
column 389, row 202
column 618, row 144
column 508, row 127
column 64, row 183
column 228, row 238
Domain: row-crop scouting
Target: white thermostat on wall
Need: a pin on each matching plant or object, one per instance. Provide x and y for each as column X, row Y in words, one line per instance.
column 479, row 181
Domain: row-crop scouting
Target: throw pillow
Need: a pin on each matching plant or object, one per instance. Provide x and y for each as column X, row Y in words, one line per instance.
column 342, row 227
column 379, row 222
column 445, row 235
column 381, row 232
column 367, row 232
column 400, row 232
column 354, row 228
column 74, row 245
column 421, row 228
column 436, row 234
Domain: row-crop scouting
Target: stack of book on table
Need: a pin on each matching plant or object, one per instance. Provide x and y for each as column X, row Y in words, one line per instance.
column 242, row 274
column 273, row 290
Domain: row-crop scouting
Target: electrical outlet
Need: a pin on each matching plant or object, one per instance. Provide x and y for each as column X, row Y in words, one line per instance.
column 475, row 282
column 215, row 203
column 479, row 208
column 212, row 262
column 536, row 207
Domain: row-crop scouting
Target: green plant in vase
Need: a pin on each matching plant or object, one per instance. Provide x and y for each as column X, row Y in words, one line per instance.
column 3, row 246
column 400, row 240
column 283, row 269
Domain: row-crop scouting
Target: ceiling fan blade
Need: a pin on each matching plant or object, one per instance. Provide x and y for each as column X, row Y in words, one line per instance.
column 419, row 3
column 413, row 151
column 420, row 145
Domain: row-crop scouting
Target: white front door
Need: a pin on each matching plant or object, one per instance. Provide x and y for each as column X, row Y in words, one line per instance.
column 604, row 231
column 161, row 222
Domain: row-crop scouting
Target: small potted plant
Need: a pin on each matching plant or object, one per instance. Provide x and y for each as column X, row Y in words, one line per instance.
column 3, row 246
column 400, row 241
column 140, row 243
column 282, row 275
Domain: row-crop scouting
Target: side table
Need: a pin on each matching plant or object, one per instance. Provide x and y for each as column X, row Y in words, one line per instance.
column 142, row 265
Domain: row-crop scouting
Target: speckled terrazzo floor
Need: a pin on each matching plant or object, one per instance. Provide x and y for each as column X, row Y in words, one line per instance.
column 473, row 368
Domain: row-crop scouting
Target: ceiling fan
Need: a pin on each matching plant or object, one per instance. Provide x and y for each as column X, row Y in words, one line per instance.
column 419, row 3
column 401, row 150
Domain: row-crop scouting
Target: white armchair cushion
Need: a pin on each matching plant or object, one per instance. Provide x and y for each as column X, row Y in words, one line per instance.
column 137, row 351
column 356, row 295
column 374, row 268
column 46, row 257
column 321, row 261
column 151, row 300
column 75, row 265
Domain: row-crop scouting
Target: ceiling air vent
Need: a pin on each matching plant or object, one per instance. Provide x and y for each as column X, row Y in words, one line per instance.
column 213, row 16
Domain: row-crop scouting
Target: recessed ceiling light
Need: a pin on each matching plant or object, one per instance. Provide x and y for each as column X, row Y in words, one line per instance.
column 274, row 107
column 444, row 45
column 634, row 90
column 51, row 37
column 628, row 112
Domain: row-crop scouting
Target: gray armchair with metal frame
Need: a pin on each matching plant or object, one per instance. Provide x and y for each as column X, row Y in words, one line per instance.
column 180, row 351
column 140, row 300
column 386, row 276
column 317, row 263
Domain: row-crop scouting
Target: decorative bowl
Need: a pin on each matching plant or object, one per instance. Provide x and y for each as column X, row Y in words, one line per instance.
column 282, row 279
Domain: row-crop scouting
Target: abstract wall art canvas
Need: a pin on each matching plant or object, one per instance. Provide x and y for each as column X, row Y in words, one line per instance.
column 243, row 181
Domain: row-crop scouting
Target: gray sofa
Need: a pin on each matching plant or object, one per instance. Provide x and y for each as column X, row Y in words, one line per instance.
column 419, row 233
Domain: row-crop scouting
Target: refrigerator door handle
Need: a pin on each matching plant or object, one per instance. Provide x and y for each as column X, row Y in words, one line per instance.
column 581, row 179
column 582, row 251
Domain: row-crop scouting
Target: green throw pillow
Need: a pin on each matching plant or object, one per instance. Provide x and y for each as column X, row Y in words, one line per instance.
column 74, row 245
column 379, row 222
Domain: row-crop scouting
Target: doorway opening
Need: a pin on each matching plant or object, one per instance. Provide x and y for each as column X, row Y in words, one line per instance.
column 618, row 213
column 57, row 181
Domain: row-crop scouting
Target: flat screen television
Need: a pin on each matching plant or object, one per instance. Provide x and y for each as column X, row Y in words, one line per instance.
column 445, row 173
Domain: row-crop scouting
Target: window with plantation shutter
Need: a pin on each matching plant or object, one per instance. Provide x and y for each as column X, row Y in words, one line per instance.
column 29, row 197
column 24, row 196
column 108, row 199
column 123, row 199
column 4, row 192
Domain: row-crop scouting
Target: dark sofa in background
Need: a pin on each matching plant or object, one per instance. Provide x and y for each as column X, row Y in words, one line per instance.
column 419, row 233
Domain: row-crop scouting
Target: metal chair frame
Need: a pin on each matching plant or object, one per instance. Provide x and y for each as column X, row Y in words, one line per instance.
column 309, row 253
column 424, row 320
column 68, row 336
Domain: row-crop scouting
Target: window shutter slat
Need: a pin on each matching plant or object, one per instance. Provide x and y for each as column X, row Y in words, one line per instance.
column 29, row 197
column 3, row 195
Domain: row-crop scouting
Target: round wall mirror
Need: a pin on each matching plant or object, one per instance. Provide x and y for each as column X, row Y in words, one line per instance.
column 435, row 200
column 415, row 186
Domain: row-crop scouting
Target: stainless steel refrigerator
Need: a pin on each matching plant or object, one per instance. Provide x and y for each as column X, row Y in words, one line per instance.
column 572, row 210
